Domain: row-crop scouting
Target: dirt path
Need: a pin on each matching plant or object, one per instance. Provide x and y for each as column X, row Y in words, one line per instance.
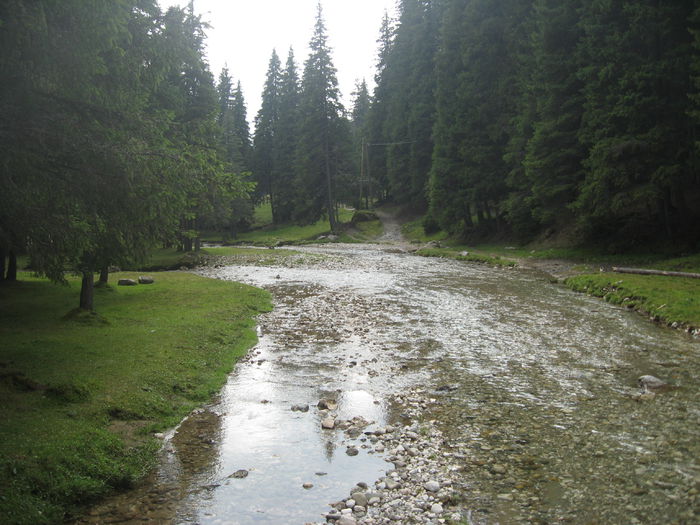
column 392, row 228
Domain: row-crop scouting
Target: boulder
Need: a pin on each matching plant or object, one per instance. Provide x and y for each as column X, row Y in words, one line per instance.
column 126, row 282
column 144, row 279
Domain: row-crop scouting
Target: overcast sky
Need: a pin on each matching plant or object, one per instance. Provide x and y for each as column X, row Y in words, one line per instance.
column 244, row 32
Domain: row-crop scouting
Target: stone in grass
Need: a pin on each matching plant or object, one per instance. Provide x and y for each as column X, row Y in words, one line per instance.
column 239, row 474
column 144, row 279
column 126, row 282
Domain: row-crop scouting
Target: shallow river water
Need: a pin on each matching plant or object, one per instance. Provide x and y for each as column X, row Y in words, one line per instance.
column 533, row 387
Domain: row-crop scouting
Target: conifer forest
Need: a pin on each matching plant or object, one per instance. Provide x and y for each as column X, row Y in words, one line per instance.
column 517, row 118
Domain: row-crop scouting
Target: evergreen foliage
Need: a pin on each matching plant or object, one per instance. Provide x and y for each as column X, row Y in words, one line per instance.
column 550, row 116
column 107, row 117
column 323, row 133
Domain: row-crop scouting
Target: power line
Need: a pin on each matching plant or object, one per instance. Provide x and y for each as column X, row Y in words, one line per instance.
column 390, row 143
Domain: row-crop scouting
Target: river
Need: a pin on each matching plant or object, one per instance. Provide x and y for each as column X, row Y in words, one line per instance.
column 532, row 388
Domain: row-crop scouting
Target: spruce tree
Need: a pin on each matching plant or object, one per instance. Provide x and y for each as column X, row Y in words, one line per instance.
column 265, row 141
column 359, row 127
column 287, row 140
column 320, row 143
column 410, row 103
column 640, row 180
column 554, row 158
column 377, row 160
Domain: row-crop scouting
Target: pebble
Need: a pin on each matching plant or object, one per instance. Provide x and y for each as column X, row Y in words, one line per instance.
column 432, row 486
column 436, row 508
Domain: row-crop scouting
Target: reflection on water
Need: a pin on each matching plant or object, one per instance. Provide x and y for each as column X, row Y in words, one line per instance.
column 543, row 382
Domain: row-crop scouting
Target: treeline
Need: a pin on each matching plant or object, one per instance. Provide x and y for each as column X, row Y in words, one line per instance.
column 521, row 118
column 113, row 136
column 533, row 117
column 303, row 144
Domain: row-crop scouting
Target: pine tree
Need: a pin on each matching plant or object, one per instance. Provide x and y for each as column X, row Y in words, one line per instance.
column 376, row 155
column 287, row 140
column 410, row 103
column 241, row 128
column 478, row 89
column 359, row 128
column 554, row 158
column 266, row 130
column 640, row 181
column 320, row 143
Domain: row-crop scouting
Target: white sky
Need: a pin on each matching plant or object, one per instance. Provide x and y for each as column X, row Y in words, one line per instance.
column 244, row 32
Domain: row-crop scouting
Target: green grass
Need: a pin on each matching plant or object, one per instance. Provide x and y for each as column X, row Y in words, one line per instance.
column 81, row 393
column 262, row 215
column 448, row 253
column 369, row 230
column 667, row 299
column 269, row 235
column 169, row 259
column 413, row 231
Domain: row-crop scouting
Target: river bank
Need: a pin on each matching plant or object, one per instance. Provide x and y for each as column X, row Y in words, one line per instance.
column 83, row 395
column 667, row 301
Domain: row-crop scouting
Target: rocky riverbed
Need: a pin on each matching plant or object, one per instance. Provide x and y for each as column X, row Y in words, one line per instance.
column 457, row 393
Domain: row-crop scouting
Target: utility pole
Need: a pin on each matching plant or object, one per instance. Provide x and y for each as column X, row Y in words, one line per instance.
column 362, row 168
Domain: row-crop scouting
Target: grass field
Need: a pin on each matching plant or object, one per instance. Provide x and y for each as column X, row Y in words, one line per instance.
column 81, row 394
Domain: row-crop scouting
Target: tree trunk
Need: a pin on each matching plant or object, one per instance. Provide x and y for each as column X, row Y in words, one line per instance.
column 87, row 291
column 197, row 244
column 2, row 264
column 11, row 266
column 187, row 244
column 104, row 275
column 646, row 271
column 329, row 184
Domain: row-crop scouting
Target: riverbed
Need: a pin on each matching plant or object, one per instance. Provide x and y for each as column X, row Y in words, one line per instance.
column 516, row 395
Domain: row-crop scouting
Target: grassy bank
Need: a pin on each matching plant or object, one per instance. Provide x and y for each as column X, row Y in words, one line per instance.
column 673, row 301
column 265, row 233
column 81, row 394
column 462, row 255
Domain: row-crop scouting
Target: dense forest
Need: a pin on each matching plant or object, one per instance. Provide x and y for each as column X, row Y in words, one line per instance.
column 522, row 119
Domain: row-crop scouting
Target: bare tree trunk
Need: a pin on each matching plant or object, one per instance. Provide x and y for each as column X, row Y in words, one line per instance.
column 646, row 271
column 87, row 291
column 331, row 209
column 11, row 266
column 104, row 275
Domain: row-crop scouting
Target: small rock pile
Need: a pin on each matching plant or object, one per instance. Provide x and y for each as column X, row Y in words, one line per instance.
column 421, row 485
